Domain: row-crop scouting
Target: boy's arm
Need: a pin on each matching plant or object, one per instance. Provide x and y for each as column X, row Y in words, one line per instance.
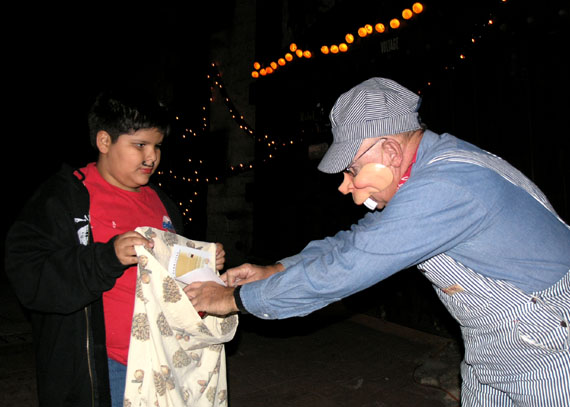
column 48, row 268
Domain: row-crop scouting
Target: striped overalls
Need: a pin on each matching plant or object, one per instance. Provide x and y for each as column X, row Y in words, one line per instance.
column 517, row 345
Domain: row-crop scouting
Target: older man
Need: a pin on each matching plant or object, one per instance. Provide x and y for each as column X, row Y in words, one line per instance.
column 486, row 237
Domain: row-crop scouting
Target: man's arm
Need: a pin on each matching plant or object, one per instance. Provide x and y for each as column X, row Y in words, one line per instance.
column 216, row 299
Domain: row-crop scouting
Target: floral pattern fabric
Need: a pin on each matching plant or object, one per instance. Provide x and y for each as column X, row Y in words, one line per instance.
column 176, row 358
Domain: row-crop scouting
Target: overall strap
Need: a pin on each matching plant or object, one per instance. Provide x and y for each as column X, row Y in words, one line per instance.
column 501, row 167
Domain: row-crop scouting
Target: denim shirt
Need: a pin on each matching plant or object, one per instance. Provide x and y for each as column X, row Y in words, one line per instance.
column 467, row 211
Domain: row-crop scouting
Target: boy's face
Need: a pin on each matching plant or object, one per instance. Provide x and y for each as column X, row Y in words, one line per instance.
column 131, row 160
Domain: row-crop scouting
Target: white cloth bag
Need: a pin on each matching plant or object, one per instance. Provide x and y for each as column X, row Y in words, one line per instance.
column 176, row 358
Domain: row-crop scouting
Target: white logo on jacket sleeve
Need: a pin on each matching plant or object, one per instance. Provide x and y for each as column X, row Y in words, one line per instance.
column 83, row 231
column 83, row 234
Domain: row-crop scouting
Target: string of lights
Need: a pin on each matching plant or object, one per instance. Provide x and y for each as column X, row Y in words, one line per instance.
column 271, row 146
column 197, row 177
column 261, row 70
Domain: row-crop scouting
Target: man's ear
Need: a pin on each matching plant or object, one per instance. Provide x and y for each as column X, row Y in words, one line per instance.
column 394, row 151
column 103, row 141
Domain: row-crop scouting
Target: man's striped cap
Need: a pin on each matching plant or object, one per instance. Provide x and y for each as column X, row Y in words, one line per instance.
column 376, row 107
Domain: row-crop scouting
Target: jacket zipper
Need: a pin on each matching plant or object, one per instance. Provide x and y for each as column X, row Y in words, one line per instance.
column 88, row 346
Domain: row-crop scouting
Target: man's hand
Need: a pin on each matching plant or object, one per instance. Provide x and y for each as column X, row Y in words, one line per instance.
column 247, row 273
column 212, row 298
column 220, row 256
column 125, row 247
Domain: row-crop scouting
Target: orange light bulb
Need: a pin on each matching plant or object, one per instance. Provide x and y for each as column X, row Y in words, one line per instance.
column 380, row 27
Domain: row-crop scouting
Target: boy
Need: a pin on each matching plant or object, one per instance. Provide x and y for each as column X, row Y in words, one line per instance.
column 70, row 255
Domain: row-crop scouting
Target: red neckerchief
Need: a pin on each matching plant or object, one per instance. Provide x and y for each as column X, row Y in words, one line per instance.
column 408, row 171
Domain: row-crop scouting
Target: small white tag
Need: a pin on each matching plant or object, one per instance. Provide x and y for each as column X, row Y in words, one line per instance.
column 370, row 204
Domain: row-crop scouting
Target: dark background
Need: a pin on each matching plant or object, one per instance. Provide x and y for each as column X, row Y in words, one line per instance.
column 509, row 96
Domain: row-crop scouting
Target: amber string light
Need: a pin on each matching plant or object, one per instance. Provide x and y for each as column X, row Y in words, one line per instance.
column 261, row 70
column 197, row 176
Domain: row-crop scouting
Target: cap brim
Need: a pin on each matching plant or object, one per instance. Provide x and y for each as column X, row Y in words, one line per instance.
column 339, row 156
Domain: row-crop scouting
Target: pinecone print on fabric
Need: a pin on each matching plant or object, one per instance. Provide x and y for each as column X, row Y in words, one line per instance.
column 228, row 324
column 216, row 348
column 140, row 328
column 222, row 396
column 217, row 368
column 139, row 291
column 211, row 394
column 170, row 290
column 186, row 394
column 163, row 326
column 149, row 233
column 170, row 239
column 203, row 329
column 168, row 379
column 181, row 358
column 192, row 244
column 196, row 358
column 159, row 383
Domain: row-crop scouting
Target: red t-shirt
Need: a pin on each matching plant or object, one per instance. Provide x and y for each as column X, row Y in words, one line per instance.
column 114, row 211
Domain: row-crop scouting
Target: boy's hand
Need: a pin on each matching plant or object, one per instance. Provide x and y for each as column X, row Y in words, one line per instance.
column 220, row 256
column 125, row 247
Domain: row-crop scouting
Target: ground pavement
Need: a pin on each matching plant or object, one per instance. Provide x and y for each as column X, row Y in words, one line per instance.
column 331, row 358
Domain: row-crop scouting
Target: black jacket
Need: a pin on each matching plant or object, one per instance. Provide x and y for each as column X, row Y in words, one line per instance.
column 59, row 274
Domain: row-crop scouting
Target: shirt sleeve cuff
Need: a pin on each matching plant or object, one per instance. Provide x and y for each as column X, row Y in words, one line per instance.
column 289, row 261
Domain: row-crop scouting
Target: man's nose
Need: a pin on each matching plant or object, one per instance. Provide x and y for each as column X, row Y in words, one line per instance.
column 346, row 186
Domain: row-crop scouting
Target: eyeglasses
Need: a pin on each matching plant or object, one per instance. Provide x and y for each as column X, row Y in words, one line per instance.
column 350, row 169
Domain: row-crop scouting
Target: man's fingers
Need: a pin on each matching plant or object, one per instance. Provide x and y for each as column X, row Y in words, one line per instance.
column 192, row 288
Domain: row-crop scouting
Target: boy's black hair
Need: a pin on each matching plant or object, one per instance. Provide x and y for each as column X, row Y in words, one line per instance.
column 124, row 111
